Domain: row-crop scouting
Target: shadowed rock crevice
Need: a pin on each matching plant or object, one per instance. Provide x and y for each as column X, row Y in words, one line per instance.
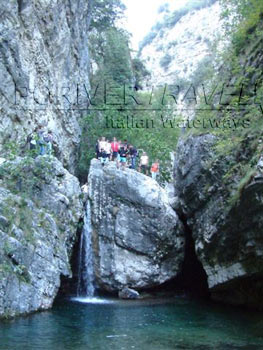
column 246, row 292
column 68, row 286
column 193, row 278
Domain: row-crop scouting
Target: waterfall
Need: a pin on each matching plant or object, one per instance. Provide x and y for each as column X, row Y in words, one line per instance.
column 85, row 271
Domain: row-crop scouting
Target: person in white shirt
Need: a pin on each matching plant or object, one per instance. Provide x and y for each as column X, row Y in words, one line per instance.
column 108, row 149
column 144, row 163
column 102, row 144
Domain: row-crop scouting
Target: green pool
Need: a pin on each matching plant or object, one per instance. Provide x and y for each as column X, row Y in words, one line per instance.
column 178, row 323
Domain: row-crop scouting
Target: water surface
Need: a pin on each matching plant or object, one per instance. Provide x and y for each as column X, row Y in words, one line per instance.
column 144, row 325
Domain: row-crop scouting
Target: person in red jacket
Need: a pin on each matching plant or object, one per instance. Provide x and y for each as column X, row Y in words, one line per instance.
column 114, row 148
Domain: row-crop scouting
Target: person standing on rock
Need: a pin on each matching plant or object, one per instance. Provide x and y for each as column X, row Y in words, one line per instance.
column 144, row 163
column 125, row 145
column 102, row 144
column 32, row 140
column 49, row 141
column 103, row 157
column 114, row 148
column 155, row 169
column 108, row 149
column 42, row 146
column 123, row 156
column 133, row 154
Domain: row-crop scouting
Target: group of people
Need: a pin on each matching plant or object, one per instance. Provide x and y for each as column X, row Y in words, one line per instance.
column 125, row 155
column 40, row 141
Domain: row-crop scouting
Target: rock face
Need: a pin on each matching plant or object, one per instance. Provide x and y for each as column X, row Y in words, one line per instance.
column 228, row 236
column 138, row 239
column 177, row 51
column 43, row 56
column 40, row 207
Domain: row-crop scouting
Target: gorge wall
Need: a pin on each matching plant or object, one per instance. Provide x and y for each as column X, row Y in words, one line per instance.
column 219, row 186
column 43, row 58
column 44, row 79
column 227, row 236
column 40, row 208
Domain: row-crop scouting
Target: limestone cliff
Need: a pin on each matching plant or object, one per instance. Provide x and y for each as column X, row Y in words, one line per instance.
column 40, row 208
column 138, row 239
column 176, row 51
column 217, row 179
column 43, row 67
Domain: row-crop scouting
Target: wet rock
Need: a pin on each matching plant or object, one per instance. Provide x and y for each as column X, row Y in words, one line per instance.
column 128, row 293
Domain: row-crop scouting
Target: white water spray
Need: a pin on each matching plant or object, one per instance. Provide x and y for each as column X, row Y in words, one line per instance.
column 85, row 286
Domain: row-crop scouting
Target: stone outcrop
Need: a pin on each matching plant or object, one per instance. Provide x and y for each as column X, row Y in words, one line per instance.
column 228, row 235
column 43, row 58
column 40, row 207
column 137, row 237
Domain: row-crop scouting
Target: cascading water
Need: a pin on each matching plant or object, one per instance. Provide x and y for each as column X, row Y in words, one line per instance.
column 85, row 286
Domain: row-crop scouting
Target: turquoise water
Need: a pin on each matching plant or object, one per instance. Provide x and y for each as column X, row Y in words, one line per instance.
column 143, row 325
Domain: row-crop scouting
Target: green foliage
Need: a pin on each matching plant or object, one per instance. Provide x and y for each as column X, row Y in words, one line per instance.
column 105, row 14
column 110, row 50
column 140, row 72
column 109, row 45
column 236, row 148
column 157, row 141
column 241, row 19
column 110, row 54
column 204, row 71
column 11, row 150
column 26, row 176
column 117, row 62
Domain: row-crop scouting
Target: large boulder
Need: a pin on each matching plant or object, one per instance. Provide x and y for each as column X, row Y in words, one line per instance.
column 40, row 207
column 228, row 233
column 138, row 239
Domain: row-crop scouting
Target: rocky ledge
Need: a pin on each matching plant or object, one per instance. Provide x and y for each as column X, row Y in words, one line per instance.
column 40, row 207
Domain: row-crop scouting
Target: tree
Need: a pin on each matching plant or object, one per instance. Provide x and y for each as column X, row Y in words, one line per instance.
column 140, row 72
column 105, row 13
